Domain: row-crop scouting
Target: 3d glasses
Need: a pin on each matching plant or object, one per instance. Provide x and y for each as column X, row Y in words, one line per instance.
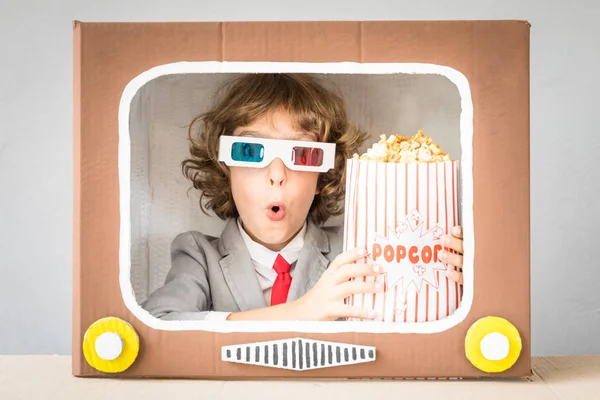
column 249, row 151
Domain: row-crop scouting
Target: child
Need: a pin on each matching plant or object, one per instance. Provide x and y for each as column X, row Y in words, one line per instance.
column 273, row 260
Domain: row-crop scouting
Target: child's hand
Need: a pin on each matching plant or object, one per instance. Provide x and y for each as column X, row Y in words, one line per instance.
column 325, row 301
column 453, row 242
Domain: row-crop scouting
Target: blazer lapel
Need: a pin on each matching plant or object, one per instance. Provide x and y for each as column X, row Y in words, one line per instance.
column 238, row 270
column 311, row 263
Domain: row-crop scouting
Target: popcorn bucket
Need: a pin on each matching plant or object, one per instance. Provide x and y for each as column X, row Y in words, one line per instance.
column 398, row 211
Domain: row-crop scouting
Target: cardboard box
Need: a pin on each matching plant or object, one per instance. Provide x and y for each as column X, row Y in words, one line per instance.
column 489, row 63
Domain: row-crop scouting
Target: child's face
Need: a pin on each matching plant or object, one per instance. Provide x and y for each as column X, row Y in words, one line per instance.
column 274, row 201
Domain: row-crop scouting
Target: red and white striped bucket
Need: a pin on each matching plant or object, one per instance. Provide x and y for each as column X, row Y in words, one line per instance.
column 398, row 211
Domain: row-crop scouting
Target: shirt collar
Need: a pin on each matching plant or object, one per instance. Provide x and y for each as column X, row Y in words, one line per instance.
column 263, row 256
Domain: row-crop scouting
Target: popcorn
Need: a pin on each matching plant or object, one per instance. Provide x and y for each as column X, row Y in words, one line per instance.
column 400, row 149
column 398, row 212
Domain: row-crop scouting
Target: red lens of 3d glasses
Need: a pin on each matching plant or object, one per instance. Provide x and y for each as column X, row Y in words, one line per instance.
column 307, row 156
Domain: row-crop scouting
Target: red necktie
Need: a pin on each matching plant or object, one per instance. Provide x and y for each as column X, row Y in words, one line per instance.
column 283, row 281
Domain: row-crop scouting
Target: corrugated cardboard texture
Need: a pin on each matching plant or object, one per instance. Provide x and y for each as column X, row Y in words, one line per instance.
column 493, row 55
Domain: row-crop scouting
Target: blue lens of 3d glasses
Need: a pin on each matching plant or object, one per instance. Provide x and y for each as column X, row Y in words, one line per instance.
column 247, row 152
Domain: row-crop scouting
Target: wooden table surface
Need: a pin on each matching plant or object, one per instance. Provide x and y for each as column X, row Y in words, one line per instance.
column 49, row 377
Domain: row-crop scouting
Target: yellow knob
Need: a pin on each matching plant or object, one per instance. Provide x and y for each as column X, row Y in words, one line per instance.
column 110, row 345
column 493, row 344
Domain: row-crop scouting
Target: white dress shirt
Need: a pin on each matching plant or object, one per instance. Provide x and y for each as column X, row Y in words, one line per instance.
column 262, row 261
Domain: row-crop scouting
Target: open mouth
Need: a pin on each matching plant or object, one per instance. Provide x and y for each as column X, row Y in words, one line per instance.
column 276, row 211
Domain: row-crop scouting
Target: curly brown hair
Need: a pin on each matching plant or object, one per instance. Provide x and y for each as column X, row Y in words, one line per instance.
column 312, row 108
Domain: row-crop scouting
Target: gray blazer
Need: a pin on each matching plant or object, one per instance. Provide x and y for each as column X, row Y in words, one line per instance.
column 216, row 274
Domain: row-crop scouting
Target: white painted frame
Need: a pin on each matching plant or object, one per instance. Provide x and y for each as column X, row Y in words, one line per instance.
column 466, row 171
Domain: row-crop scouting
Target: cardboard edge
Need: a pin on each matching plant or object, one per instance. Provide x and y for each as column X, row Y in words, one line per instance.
column 527, row 94
column 291, row 376
column 76, row 354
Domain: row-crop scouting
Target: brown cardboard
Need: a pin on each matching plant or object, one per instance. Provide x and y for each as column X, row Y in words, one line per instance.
column 494, row 57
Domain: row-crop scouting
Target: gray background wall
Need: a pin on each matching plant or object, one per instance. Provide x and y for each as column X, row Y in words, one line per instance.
column 36, row 151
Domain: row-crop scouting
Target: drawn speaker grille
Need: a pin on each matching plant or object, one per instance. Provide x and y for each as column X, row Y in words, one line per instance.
column 298, row 354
